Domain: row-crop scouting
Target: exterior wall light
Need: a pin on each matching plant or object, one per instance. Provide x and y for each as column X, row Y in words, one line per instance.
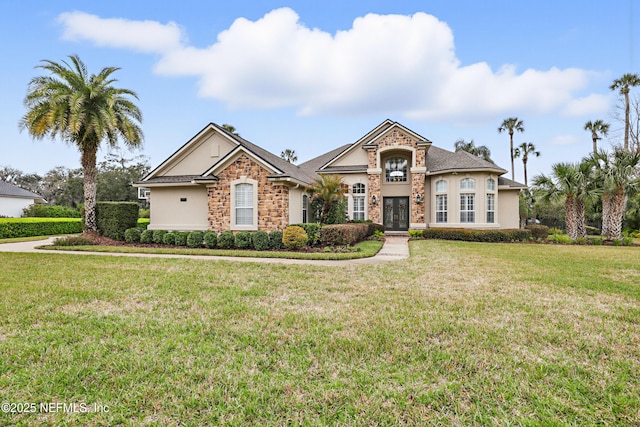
column 418, row 199
column 374, row 199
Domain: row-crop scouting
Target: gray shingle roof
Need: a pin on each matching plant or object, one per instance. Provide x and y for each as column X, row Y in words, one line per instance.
column 170, row 179
column 311, row 166
column 11, row 190
column 440, row 160
column 510, row 183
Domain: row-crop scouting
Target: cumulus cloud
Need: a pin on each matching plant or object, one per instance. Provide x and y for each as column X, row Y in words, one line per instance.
column 386, row 64
column 142, row 36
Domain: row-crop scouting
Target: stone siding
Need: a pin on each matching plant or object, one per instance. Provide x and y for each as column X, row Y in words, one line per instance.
column 273, row 200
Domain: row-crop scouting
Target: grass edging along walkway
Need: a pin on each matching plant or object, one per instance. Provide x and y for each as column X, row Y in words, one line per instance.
column 367, row 249
column 23, row 239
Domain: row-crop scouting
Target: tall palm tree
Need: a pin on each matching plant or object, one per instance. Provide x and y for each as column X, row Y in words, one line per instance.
column 571, row 182
column 617, row 175
column 481, row 151
column 623, row 83
column 330, row 190
column 289, row 155
column 230, row 128
column 83, row 110
column 596, row 128
column 511, row 125
column 525, row 149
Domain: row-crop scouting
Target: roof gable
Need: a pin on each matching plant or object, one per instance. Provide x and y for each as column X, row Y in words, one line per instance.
column 10, row 190
column 440, row 160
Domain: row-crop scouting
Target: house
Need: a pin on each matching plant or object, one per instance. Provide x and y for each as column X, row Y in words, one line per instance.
column 220, row 181
column 14, row 199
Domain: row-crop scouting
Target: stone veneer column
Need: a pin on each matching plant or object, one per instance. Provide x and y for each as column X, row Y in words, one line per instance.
column 373, row 175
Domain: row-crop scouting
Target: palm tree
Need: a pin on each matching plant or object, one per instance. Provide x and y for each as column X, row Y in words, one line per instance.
column 596, row 128
column 83, row 110
column 511, row 125
column 481, row 151
column 230, row 128
column 623, row 83
column 525, row 149
column 330, row 190
column 571, row 182
column 289, row 155
column 617, row 176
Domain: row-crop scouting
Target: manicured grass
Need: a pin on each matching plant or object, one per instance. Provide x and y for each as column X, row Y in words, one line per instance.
column 23, row 239
column 366, row 249
column 459, row 334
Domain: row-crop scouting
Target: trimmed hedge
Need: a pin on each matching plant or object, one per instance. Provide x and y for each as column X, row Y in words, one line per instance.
column 41, row 210
column 373, row 227
column 194, row 239
column 226, row 240
column 28, row 227
column 294, row 237
column 146, row 236
column 243, row 240
column 181, row 237
column 343, row 234
column 114, row 218
column 132, row 235
column 143, row 223
column 538, row 231
column 469, row 235
column 275, row 239
column 169, row 239
column 210, row 239
column 313, row 232
column 158, row 236
column 260, row 240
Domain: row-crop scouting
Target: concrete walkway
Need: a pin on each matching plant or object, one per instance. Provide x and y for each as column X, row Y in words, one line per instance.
column 395, row 248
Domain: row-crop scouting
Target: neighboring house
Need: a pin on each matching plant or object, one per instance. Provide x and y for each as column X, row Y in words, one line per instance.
column 14, row 199
column 220, row 181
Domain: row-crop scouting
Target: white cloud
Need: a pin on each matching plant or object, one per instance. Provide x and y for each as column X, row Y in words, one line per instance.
column 143, row 36
column 386, row 64
column 593, row 104
column 564, row 140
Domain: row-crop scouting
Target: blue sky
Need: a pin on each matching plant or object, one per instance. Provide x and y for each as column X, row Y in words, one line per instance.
column 315, row 75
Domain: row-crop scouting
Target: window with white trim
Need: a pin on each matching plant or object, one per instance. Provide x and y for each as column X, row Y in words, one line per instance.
column 491, row 208
column 358, row 190
column 491, row 184
column 468, row 184
column 441, row 186
column 396, row 169
column 441, row 208
column 244, row 204
column 305, row 209
column 467, row 208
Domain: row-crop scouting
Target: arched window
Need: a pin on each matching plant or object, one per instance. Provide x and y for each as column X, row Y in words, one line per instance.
column 468, row 184
column 358, row 188
column 396, row 169
column 441, row 186
column 491, row 184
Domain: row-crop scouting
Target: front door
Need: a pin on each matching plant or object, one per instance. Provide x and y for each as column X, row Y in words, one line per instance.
column 396, row 213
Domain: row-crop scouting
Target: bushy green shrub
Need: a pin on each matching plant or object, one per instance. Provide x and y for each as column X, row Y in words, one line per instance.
column 469, row 235
column 114, row 218
column 561, row 238
column 260, row 240
column 226, row 240
column 415, row 234
column 343, row 234
column 169, row 238
column 243, row 240
column 313, row 232
column 27, row 227
column 143, row 223
column 373, row 227
column 132, row 235
column 194, row 239
column 555, row 230
column 158, row 235
column 40, row 210
column 73, row 241
column 210, row 239
column 181, row 237
column 294, row 237
column 144, row 213
column 538, row 231
column 275, row 239
column 146, row 236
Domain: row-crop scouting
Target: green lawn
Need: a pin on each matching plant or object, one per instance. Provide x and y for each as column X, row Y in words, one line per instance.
column 459, row 334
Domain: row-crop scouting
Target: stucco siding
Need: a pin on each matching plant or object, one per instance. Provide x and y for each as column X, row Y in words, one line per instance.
column 355, row 157
column 200, row 157
column 13, row 206
column 295, row 205
column 179, row 208
column 509, row 209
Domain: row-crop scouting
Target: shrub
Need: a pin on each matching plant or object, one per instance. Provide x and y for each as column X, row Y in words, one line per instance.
column 158, row 236
column 181, row 237
column 555, row 230
column 27, row 227
column 114, row 218
column 243, row 240
column 194, row 239
column 146, row 236
column 40, row 210
column 144, row 213
column 627, row 241
column 73, row 241
column 313, row 232
column 561, row 238
column 415, row 234
column 260, row 240
column 275, row 239
column 373, row 227
column 592, row 231
column 132, row 235
column 169, row 239
column 210, row 239
column 468, row 235
column 343, row 234
column 538, row 231
column 294, row 237
column 226, row 240
column 143, row 223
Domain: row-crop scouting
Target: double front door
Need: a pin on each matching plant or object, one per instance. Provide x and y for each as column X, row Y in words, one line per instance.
column 395, row 213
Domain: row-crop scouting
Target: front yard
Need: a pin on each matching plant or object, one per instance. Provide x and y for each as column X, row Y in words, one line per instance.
column 459, row 334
